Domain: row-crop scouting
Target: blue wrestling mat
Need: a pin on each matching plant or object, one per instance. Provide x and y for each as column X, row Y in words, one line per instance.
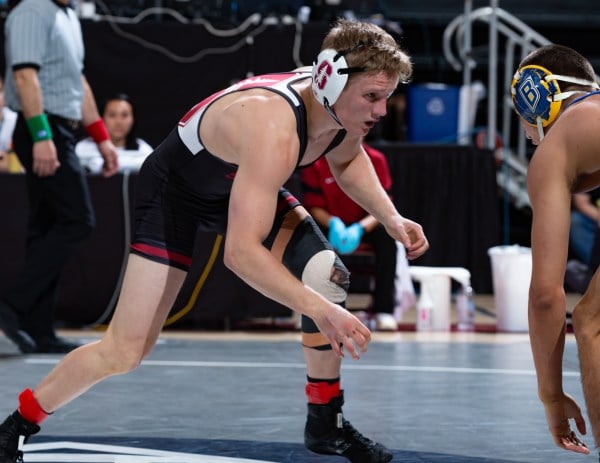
column 230, row 398
column 143, row 450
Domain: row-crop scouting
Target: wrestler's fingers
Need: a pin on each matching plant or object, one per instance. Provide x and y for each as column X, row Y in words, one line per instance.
column 573, row 443
column 361, row 338
column 580, row 423
column 364, row 331
column 337, row 347
column 417, row 249
column 351, row 347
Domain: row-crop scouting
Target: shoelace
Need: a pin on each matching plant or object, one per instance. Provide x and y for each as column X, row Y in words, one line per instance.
column 356, row 436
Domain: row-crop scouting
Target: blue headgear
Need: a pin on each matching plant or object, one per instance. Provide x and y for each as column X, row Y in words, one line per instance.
column 537, row 97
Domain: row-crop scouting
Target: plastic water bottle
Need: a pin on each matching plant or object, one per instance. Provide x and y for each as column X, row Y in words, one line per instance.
column 424, row 311
column 465, row 309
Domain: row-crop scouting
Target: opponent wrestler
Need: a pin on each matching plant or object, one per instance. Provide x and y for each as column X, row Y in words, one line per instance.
column 557, row 98
column 222, row 169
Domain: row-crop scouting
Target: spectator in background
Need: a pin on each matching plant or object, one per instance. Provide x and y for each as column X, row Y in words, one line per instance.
column 347, row 225
column 584, row 224
column 119, row 118
column 45, row 85
column 583, row 236
column 8, row 119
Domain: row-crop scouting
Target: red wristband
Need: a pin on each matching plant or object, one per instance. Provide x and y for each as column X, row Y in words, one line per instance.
column 97, row 130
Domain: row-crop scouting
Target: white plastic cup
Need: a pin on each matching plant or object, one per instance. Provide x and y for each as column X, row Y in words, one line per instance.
column 511, row 276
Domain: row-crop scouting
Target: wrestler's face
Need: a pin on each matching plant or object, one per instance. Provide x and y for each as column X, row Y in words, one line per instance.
column 364, row 101
column 531, row 132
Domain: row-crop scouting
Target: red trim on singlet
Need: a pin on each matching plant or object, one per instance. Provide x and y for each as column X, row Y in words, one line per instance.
column 288, row 202
column 162, row 253
column 263, row 81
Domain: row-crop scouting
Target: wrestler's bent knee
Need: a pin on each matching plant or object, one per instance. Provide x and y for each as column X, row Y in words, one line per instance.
column 585, row 319
column 326, row 274
column 120, row 360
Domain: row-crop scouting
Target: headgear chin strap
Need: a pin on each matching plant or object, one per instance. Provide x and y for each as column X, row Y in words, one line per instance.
column 537, row 97
column 330, row 75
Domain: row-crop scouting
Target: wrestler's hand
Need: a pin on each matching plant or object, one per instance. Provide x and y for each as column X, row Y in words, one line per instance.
column 409, row 233
column 558, row 414
column 343, row 330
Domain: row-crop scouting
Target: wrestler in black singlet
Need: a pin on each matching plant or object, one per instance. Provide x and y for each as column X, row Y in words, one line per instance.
column 182, row 188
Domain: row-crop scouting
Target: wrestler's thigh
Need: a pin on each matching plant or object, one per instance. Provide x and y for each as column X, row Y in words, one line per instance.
column 147, row 295
column 286, row 229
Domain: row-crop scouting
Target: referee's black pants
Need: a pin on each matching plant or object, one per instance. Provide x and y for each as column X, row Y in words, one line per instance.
column 60, row 217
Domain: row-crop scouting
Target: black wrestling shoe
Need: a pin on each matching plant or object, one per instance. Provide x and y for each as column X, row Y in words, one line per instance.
column 328, row 433
column 14, row 433
column 9, row 324
column 54, row 345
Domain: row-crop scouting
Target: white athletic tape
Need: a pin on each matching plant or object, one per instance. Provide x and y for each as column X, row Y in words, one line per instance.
column 317, row 275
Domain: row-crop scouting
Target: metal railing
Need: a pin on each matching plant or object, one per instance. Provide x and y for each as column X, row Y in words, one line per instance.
column 518, row 39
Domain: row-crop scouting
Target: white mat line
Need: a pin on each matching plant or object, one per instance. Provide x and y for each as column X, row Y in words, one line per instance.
column 383, row 368
column 118, row 454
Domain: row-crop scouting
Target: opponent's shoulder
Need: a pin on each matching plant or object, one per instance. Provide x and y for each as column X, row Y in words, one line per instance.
column 580, row 122
column 570, row 148
column 582, row 107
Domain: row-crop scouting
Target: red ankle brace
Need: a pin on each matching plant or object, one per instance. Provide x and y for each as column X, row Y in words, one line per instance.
column 30, row 409
column 322, row 392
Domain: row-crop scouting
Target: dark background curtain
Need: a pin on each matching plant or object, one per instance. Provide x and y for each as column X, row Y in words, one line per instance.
column 450, row 190
column 163, row 89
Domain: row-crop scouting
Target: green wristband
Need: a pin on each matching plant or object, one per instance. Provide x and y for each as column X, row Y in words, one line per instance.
column 39, row 128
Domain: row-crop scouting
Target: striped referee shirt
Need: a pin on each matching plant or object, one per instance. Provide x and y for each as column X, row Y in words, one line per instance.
column 46, row 36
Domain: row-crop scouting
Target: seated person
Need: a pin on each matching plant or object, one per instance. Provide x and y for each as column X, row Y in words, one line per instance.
column 8, row 119
column 584, row 223
column 584, row 240
column 347, row 225
column 119, row 119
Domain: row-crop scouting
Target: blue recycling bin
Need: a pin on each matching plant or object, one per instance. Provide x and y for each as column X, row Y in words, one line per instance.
column 432, row 112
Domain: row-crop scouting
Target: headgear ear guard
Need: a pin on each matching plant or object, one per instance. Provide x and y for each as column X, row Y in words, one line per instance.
column 537, row 96
column 330, row 74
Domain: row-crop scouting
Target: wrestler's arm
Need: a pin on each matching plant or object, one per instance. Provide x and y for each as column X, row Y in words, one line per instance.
column 550, row 199
column 356, row 175
column 267, row 149
column 549, row 182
